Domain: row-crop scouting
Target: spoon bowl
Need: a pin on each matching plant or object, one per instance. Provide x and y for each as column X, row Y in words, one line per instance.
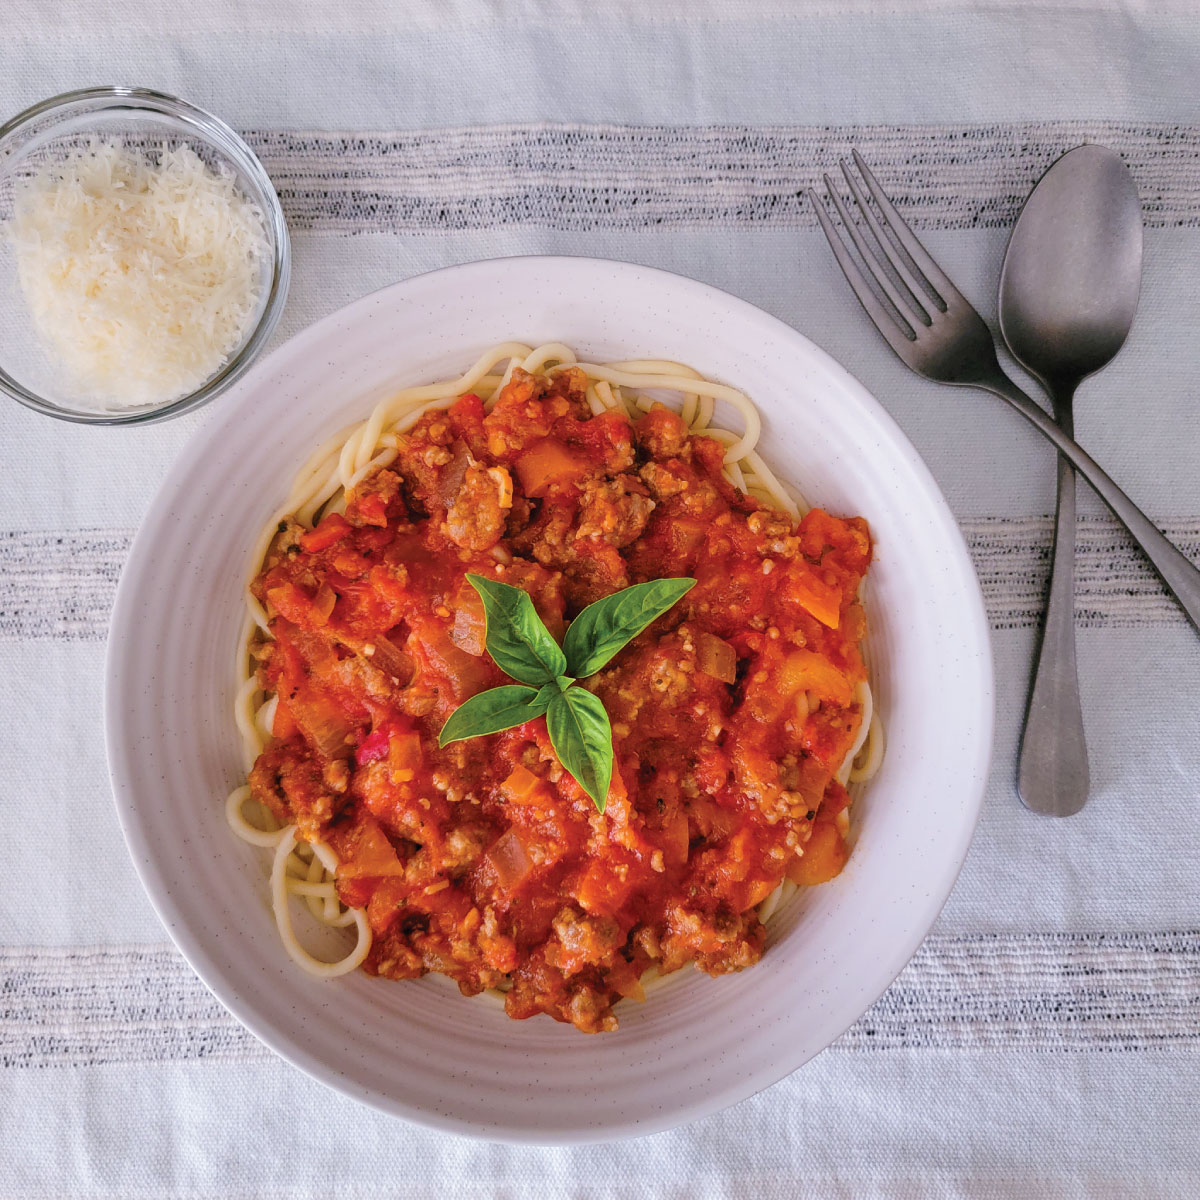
column 1072, row 274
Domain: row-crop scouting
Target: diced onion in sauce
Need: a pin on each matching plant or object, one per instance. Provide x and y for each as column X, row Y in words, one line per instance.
column 716, row 657
column 509, row 860
column 469, row 632
column 323, row 603
column 323, row 725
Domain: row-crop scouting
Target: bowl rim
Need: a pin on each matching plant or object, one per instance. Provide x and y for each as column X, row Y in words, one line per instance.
column 206, row 127
column 155, row 882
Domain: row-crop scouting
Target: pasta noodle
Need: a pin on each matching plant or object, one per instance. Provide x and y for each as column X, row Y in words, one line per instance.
column 307, row 872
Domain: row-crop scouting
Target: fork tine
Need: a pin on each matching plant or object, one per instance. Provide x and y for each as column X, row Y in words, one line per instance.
column 896, row 337
column 913, row 313
column 919, row 294
column 905, row 236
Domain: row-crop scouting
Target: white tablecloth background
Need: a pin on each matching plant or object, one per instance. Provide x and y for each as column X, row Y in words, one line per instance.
column 1046, row 1040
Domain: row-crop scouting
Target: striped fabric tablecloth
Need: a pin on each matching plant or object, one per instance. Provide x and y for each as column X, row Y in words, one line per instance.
column 1046, row 1038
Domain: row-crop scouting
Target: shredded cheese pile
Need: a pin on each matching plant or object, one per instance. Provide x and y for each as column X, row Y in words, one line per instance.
column 142, row 274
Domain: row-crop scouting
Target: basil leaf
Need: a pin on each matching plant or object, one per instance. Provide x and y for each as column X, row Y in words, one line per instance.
column 492, row 711
column 605, row 627
column 582, row 739
column 520, row 645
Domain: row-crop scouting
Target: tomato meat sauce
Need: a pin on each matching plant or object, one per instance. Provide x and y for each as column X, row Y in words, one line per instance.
column 731, row 714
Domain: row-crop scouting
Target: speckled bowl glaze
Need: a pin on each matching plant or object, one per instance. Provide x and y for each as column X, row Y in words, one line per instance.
column 419, row 1049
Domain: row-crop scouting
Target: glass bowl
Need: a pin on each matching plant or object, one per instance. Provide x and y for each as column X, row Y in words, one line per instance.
column 47, row 133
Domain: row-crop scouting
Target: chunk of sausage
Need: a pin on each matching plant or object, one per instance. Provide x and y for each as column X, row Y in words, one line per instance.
column 583, row 940
column 475, row 521
column 661, row 433
column 612, row 510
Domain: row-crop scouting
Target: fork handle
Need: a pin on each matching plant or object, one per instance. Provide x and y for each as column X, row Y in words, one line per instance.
column 1176, row 570
column 1052, row 773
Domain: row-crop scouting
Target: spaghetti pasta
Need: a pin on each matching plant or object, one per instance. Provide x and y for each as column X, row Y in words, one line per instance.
column 308, row 870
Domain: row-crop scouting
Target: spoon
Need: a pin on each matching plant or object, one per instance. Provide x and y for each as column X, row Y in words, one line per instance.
column 1068, row 292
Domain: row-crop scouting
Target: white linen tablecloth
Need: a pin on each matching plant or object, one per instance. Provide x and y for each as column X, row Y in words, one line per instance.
column 1046, row 1039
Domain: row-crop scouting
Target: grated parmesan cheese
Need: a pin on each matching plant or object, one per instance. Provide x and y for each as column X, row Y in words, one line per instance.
column 142, row 274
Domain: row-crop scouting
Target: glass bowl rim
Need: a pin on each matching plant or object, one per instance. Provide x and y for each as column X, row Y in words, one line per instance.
column 205, row 127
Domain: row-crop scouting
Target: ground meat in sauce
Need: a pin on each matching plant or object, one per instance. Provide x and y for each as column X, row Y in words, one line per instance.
column 484, row 860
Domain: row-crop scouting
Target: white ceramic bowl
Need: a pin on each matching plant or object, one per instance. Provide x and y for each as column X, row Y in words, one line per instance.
column 418, row 1049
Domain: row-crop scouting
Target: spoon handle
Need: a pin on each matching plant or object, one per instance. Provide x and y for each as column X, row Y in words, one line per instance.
column 1052, row 776
column 1176, row 570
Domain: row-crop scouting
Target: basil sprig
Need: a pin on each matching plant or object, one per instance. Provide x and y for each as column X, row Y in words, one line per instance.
column 522, row 647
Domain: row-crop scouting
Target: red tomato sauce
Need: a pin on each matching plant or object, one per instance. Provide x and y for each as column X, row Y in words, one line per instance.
column 484, row 860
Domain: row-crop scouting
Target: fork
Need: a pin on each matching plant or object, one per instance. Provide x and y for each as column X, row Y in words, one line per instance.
column 936, row 333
